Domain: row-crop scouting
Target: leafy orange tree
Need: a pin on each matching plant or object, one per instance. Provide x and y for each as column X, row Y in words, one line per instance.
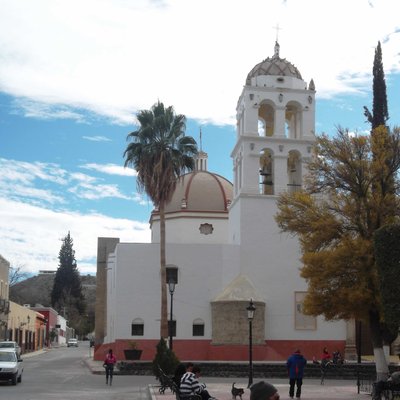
column 349, row 194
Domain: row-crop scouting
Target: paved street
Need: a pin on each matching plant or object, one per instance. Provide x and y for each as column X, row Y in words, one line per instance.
column 61, row 374
column 71, row 373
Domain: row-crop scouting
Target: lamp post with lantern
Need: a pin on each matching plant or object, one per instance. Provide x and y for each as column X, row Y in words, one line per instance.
column 250, row 316
column 171, row 288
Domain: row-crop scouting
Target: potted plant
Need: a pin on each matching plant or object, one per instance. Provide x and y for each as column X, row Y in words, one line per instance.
column 133, row 353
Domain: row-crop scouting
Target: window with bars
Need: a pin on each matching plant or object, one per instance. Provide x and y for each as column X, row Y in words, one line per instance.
column 198, row 327
column 137, row 327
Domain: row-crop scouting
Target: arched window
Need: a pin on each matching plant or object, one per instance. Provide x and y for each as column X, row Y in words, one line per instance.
column 137, row 327
column 198, row 327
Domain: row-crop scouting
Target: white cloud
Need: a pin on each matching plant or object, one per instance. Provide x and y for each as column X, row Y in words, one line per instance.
column 30, row 232
column 30, row 236
column 111, row 169
column 25, row 173
column 97, row 191
column 19, row 181
column 97, row 138
column 85, row 55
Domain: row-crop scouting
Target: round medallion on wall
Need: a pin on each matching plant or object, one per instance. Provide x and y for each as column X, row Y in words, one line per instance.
column 206, row 229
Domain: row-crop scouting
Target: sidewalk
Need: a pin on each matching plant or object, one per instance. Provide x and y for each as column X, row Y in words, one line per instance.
column 96, row 367
column 332, row 390
column 312, row 389
column 34, row 353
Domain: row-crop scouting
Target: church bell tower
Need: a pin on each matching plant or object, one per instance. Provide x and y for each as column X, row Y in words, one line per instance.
column 275, row 133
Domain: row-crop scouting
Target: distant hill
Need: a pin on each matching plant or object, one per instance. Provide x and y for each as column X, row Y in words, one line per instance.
column 37, row 290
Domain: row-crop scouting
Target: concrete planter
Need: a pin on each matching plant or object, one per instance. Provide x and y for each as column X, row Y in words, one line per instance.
column 133, row 354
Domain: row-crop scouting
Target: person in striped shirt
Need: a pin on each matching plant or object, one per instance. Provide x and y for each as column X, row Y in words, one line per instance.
column 190, row 384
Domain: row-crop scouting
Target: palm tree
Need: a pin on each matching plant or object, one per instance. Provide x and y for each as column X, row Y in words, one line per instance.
column 160, row 153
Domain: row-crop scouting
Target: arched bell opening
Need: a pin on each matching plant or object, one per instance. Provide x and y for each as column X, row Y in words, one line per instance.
column 294, row 171
column 266, row 172
column 266, row 120
column 293, row 120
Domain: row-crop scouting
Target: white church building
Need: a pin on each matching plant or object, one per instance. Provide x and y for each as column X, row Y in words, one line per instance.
column 224, row 246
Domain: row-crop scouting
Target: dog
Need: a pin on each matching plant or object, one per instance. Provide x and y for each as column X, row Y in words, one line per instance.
column 236, row 392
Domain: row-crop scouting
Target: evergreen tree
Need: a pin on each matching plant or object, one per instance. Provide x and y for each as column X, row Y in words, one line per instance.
column 380, row 113
column 66, row 295
column 379, row 118
column 165, row 359
column 387, row 255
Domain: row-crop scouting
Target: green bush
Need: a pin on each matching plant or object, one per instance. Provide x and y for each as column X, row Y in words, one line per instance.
column 165, row 359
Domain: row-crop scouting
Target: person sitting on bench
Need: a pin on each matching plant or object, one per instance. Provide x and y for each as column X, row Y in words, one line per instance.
column 382, row 385
column 190, row 384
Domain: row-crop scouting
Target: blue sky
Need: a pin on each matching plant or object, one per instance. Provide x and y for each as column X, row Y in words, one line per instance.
column 73, row 74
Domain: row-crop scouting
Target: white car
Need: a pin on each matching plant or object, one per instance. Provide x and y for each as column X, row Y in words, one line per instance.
column 8, row 344
column 10, row 366
column 72, row 342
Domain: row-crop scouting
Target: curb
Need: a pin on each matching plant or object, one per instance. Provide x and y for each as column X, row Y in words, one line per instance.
column 94, row 371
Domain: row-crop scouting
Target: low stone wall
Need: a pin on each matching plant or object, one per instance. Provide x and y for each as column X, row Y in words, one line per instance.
column 262, row 370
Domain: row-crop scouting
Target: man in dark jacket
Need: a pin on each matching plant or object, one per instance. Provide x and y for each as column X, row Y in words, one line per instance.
column 295, row 365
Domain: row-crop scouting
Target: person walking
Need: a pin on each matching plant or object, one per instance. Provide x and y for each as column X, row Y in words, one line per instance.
column 109, row 363
column 295, row 366
column 325, row 357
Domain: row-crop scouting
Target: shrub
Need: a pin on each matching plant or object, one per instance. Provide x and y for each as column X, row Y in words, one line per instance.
column 165, row 359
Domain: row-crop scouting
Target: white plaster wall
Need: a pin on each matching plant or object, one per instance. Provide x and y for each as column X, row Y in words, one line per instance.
column 204, row 271
column 63, row 327
column 137, row 277
column 272, row 82
column 272, row 261
column 184, row 228
column 111, row 335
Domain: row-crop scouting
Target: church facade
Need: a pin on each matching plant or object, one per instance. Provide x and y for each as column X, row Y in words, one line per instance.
column 224, row 247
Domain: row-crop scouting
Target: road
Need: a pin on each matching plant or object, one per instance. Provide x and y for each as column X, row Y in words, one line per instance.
column 60, row 374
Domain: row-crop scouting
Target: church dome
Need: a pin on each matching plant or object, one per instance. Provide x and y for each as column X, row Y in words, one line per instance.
column 274, row 66
column 201, row 191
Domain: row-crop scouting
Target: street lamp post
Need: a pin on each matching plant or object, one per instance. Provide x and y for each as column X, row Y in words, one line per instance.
column 171, row 287
column 358, row 346
column 250, row 315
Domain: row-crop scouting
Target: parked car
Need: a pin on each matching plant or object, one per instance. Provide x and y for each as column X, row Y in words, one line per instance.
column 8, row 344
column 10, row 366
column 72, row 342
